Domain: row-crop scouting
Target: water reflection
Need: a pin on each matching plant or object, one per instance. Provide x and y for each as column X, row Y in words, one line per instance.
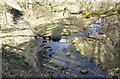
column 94, row 29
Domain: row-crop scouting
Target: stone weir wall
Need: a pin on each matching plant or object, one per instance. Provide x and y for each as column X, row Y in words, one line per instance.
column 19, row 38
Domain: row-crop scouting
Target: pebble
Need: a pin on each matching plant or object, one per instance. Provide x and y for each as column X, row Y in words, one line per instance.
column 84, row 71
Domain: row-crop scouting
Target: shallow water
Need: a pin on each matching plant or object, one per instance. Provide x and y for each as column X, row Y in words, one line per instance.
column 62, row 65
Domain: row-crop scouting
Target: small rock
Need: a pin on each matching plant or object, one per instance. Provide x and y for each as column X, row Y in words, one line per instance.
column 78, row 66
column 84, row 71
column 48, row 68
column 55, row 66
column 42, row 45
column 68, row 54
column 50, row 50
column 44, row 41
column 51, row 61
column 47, row 47
column 50, row 55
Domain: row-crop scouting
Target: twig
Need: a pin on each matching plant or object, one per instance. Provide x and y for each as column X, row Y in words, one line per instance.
column 6, row 45
column 17, row 36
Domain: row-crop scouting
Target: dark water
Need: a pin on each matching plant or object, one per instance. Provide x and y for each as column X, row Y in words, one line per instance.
column 60, row 64
column 74, row 65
